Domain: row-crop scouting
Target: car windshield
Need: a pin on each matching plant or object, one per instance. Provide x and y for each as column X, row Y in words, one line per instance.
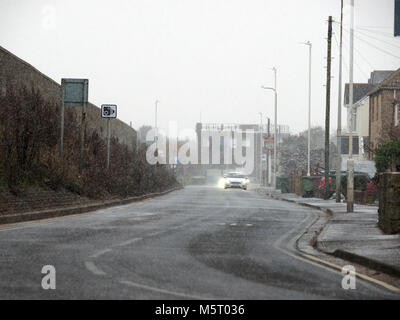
column 235, row 175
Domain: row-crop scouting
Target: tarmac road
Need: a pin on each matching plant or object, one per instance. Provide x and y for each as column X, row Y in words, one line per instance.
column 201, row 242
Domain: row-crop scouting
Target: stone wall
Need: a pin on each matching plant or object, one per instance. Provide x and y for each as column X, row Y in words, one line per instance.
column 389, row 202
column 15, row 70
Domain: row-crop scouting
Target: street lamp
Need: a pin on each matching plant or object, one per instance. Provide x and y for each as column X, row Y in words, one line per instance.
column 308, row 43
column 261, row 145
column 275, row 127
column 156, row 129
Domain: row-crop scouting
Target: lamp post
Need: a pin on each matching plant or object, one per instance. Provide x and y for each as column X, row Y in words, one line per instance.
column 308, row 43
column 261, row 147
column 350, row 161
column 275, row 127
column 156, row 128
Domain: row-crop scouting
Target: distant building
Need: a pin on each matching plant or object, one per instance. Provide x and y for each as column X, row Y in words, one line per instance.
column 283, row 131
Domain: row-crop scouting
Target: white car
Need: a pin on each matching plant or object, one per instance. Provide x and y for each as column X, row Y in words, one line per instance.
column 235, row 180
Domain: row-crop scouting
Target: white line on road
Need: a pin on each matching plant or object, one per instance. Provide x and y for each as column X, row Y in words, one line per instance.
column 100, row 253
column 93, row 269
column 155, row 233
column 177, row 294
column 125, row 243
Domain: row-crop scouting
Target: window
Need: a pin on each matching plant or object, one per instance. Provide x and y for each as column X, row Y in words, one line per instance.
column 354, row 124
column 345, row 145
column 396, row 115
column 372, row 110
column 356, row 146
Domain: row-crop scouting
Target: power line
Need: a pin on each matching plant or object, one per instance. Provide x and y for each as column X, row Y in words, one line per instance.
column 357, row 65
column 382, row 33
column 362, row 56
column 343, row 60
column 374, row 46
column 376, row 27
column 367, row 35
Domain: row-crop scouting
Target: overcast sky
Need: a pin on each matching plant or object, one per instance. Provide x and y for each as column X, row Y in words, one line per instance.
column 206, row 57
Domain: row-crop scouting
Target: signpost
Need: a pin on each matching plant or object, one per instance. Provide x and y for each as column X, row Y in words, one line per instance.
column 74, row 93
column 108, row 111
column 268, row 143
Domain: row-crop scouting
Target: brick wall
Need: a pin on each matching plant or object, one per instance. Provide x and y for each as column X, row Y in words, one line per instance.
column 14, row 69
column 382, row 117
column 36, row 200
column 382, row 127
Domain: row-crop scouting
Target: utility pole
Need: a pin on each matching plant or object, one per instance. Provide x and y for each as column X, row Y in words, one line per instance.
column 350, row 161
column 339, row 122
column 309, row 112
column 328, row 105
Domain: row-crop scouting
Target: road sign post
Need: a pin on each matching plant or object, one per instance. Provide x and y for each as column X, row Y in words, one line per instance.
column 108, row 111
column 268, row 143
column 62, row 119
column 74, row 93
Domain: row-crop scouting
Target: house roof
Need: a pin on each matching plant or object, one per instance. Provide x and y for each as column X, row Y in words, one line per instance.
column 360, row 90
column 379, row 76
column 392, row 82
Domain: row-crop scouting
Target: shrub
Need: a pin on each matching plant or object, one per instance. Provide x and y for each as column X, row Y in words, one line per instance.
column 29, row 154
column 386, row 154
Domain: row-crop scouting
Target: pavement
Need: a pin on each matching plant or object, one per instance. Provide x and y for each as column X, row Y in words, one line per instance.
column 353, row 236
column 200, row 242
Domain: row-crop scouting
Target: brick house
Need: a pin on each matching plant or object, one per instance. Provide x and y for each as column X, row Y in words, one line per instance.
column 360, row 123
column 384, row 116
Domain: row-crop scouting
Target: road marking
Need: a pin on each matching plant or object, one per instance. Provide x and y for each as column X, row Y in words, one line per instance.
column 177, row 294
column 323, row 263
column 155, row 233
column 233, row 224
column 100, row 253
column 363, row 276
column 93, row 269
column 249, row 225
column 125, row 243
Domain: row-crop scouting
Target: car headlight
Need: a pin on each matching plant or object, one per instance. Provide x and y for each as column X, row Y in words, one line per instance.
column 227, row 181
